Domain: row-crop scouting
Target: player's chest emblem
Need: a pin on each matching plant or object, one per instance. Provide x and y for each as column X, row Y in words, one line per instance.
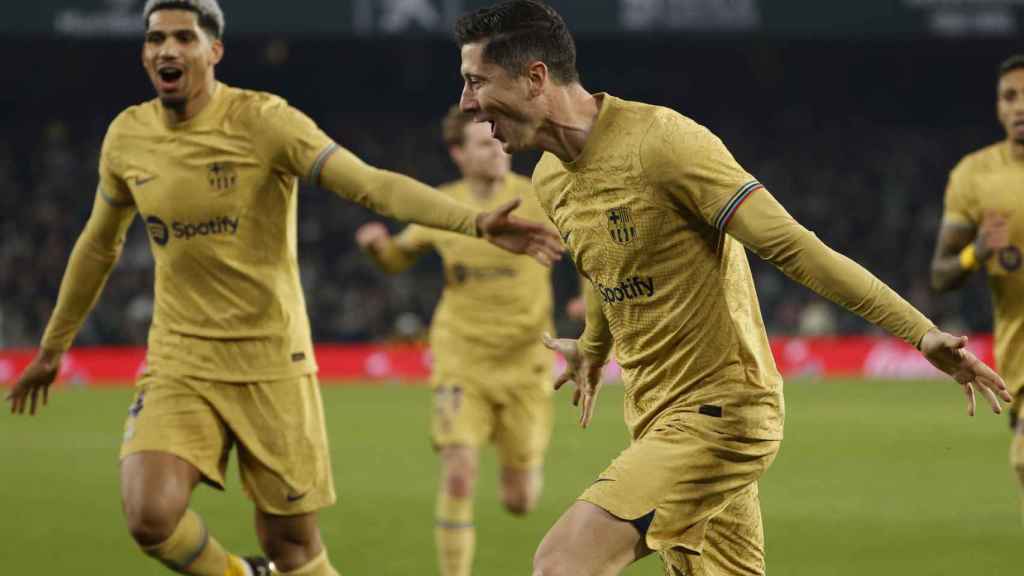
column 1010, row 258
column 222, row 176
column 621, row 226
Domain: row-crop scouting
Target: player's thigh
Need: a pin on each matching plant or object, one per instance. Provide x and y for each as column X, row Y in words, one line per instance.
column 171, row 415
column 461, row 413
column 588, row 541
column 524, row 423
column 683, row 477
column 733, row 544
column 155, row 491
column 283, row 453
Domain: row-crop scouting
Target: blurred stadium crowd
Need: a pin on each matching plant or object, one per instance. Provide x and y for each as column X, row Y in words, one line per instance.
column 855, row 139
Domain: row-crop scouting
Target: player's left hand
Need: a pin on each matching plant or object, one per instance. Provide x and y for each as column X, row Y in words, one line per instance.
column 581, row 371
column 949, row 354
column 520, row 236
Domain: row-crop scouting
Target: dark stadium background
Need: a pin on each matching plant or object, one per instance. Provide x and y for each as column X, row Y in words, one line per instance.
column 854, row 132
column 851, row 112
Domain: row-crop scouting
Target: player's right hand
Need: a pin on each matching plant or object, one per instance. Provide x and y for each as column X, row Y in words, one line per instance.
column 372, row 235
column 34, row 381
column 993, row 234
column 581, row 371
column 950, row 354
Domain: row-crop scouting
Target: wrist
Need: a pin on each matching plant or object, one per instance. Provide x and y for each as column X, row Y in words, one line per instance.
column 478, row 223
column 49, row 356
column 969, row 259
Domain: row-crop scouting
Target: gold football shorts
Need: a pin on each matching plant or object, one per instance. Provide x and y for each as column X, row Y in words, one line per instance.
column 277, row 426
column 509, row 405
column 702, row 489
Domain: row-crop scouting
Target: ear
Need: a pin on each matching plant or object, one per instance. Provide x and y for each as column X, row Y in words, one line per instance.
column 537, row 77
column 217, row 50
column 458, row 155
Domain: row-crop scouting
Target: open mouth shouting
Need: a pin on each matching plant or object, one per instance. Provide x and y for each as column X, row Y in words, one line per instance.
column 169, row 77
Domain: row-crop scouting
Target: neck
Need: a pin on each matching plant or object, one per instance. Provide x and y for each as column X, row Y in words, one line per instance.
column 572, row 113
column 196, row 103
column 1017, row 150
column 483, row 188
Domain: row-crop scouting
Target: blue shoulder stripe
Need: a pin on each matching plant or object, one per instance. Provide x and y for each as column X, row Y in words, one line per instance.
column 318, row 165
column 113, row 201
column 727, row 211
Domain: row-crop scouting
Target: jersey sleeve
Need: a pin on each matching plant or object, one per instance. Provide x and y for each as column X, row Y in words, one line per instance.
column 112, row 187
column 291, row 141
column 960, row 204
column 694, row 168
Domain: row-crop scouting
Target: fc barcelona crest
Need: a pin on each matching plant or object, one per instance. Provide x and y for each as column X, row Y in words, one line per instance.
column 222, row 176
column 620, row 225
column 1010, row 258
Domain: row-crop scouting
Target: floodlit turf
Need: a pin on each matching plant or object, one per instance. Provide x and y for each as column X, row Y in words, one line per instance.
column 873, row 478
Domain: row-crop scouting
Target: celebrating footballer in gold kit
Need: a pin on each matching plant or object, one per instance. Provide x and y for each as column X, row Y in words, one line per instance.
column 213, row 171
column 490, row 370
column 983, row 227
column 656, row 213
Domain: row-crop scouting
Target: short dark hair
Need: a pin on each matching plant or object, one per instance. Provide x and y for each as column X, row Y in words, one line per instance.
column 517, row 32
column 208, row 12
column 453, row 127
column 1010, row 64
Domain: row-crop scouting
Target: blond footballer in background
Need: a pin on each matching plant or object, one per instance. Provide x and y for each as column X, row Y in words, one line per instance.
column 983, row 227
column 656, row 214
column 213, row 171
column 491, row 372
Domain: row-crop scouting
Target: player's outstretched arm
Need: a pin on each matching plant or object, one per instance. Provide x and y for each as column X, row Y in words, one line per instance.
column 765, row 227
column 406, row 199
column 96, row 251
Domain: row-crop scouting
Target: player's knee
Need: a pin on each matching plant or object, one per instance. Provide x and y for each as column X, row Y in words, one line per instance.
column 520, row 491
column 459, row 484
column 519, row 500
column 459, row 475
column 547, row 563
column 152, row 523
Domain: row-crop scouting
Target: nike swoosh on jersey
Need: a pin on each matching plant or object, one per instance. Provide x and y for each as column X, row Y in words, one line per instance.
column 295, row 497
column 139, row 181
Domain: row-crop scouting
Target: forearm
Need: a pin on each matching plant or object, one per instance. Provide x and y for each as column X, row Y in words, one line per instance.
column 395, row 195
column 765, row 227
column 390, row 257
column 948, row 274
column 92, row 259
column 596, row 341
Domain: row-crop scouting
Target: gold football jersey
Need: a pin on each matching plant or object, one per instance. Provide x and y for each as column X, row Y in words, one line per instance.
column 218, row 197
column 987, row 180
column 494, row 304
column 677, row 292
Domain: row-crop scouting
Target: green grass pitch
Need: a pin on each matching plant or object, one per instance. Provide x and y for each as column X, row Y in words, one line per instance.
column 886, row 478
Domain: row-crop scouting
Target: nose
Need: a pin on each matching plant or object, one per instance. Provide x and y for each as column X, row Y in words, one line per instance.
column 168, row 50
column 468, row 103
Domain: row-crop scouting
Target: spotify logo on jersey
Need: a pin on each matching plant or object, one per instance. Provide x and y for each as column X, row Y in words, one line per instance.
column 161, row 232
column 157, row 230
